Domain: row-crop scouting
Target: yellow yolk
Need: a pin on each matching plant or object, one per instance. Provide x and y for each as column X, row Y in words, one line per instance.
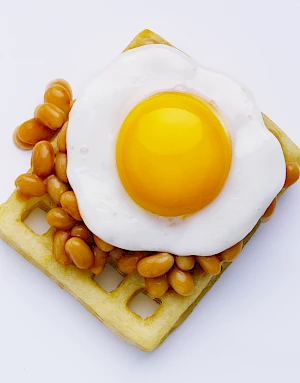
column 173, row 154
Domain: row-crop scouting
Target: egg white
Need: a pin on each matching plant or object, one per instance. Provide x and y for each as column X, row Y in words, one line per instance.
column 257, row 172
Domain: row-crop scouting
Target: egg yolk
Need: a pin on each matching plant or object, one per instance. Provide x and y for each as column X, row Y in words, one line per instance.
column 173, row 154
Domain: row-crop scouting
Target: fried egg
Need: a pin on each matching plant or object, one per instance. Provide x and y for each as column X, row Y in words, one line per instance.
column 165, row 155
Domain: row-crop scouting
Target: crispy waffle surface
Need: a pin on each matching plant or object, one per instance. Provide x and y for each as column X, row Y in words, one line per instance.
column 112, row 308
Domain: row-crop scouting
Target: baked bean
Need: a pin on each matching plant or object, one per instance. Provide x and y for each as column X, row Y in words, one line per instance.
column 185, row 263
column 55, row 188
column 81, row 231
column 22, row 197
column 157, row 287
column 128, row 263
column 230, row 254
column 269, row 212
column 116, row 254
column 155, row 265
column 50, row 116
column 61, row 166
column 292, row 174
column 181, row 281
column 102, row 245
column 62, row 138
column 19, row 143
column 62, row 82
column 69, row 203
column 211, row 265
column 100, row 261
column 59, row 96
column 80, row 253
column 31, row 132
column 60, row 219
column 30, row 185
column 42, row 159
column 59, row 241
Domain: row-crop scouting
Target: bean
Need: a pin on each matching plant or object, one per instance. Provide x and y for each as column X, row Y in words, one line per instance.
column 19, row 143
column 185, row 263
column 50, row 116
column 61, row 166
column 181, row 281
column 69, row 203
column 292, row 174
column 269, row 212
column 157, row 287
column 55, row 188
column 81, row 231
column 62, row 82
column 62, row 138
column 59, row 96
column 230, row 254
column 128, row 263
column 116, row 254
column 31, row 132
column 155, row 265
column 30, row 185
column 100, row 261
column 102, row 245
column 42, row 159
column 60, row 219
column 210, row 265
column 80, row 253
column 59, row 241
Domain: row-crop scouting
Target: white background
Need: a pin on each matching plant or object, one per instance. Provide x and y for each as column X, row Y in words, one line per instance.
column 247, row 327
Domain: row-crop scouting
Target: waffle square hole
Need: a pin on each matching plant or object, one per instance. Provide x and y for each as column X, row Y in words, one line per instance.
column 109, row 279
column 143, row 306
column 36, row 221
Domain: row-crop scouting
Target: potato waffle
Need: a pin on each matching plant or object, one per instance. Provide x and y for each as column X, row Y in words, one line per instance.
column 112, row 308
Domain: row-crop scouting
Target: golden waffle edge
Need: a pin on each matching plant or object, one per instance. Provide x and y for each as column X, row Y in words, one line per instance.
column 112, row 308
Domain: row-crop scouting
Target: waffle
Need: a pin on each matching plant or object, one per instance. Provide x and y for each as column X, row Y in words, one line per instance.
column 112, row 308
